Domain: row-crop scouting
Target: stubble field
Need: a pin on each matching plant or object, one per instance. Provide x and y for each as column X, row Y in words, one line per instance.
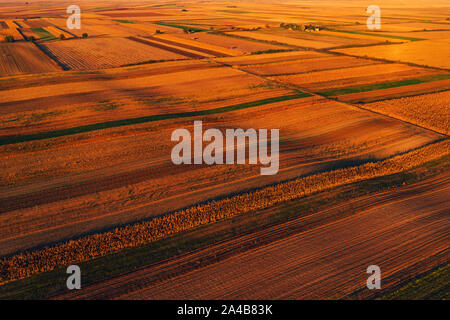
column 85, row 146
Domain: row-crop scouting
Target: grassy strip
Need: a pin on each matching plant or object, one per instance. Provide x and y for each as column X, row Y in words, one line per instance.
column 270, row 51
column 384, row 85
column 433, row 286
column 133, row 121
column 124, row 21
column 42, row 285
column 43, row 34
column 379, row 35
column 194, row 29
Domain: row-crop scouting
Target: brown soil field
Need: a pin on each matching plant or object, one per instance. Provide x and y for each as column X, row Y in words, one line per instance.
column 267, row 58
column 328, row 39
column 383, row 94
column 130, row 72
column 130, row 13
column 430, row 110
column 170, row 46
column 178, row 85
column 85, row 146
column 72, row 175
column 88, row 54
column 355, row 76
column 22, row 58
column 395, row 230
column 36, row 23
column 434, row 53
column 309, row 65
column 304, row 43
column 218, row 51
column 235, row 44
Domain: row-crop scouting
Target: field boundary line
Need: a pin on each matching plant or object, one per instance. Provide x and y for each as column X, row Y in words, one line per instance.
column 133, row 121
column 318, row 94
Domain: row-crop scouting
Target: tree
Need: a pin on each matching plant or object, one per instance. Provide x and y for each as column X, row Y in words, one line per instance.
column 31, row 38
column 62, row 37
column 85, row 35
column 9, row 38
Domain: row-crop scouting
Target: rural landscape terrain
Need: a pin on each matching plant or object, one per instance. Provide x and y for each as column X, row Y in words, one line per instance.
column 87, row 178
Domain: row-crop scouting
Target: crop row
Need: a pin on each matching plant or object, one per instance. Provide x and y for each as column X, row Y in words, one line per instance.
column 92, row 246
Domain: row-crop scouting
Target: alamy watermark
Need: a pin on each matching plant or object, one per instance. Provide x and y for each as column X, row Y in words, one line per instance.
column 74, row 20
column 374, row 21
column 74, row 280
column 222, row 148
column 374, row 281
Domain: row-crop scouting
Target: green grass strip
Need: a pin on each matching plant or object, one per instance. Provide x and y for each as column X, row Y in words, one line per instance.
column 133, row 121
column 43, row 34
column 124, row 21
column 433, row 286
column 180, row 26
column 384, row 85
column 379, row 35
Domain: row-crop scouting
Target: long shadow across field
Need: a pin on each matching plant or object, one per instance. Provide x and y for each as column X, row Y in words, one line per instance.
column 132, row 121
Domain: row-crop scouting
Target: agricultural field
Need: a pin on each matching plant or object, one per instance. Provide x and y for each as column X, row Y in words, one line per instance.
column 306, row 66
column 22, row 58
column 433, row 53
column 357, row 124
column 99, row 53
column 429, row 110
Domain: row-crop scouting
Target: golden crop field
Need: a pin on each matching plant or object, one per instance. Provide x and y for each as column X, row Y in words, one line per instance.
column 433, row 53
column 167, row 148
column 428, row 110
column 23, row 58
column 105, row 53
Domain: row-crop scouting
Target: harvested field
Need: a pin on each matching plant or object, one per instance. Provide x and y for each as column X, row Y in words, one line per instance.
column 278, row 39
column 155, row 43
column 36, row 23
column 390, row 90
column 138, row 234
column 392, row 235
column 434, row 53
column 236, row 45
column 316, row 40
column 99, row 53
column 355, row 76
column 130, row 13
column 346, row 136
column 267, row 58
column 197, row 46
column 430, row 110
column 22, row 58
column 304, row 66
column 175, row 83
column 357, row 124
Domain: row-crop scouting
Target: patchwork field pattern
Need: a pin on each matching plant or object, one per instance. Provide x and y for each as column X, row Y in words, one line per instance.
column 87, row 177
column 105, row 53
column 21, row 58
